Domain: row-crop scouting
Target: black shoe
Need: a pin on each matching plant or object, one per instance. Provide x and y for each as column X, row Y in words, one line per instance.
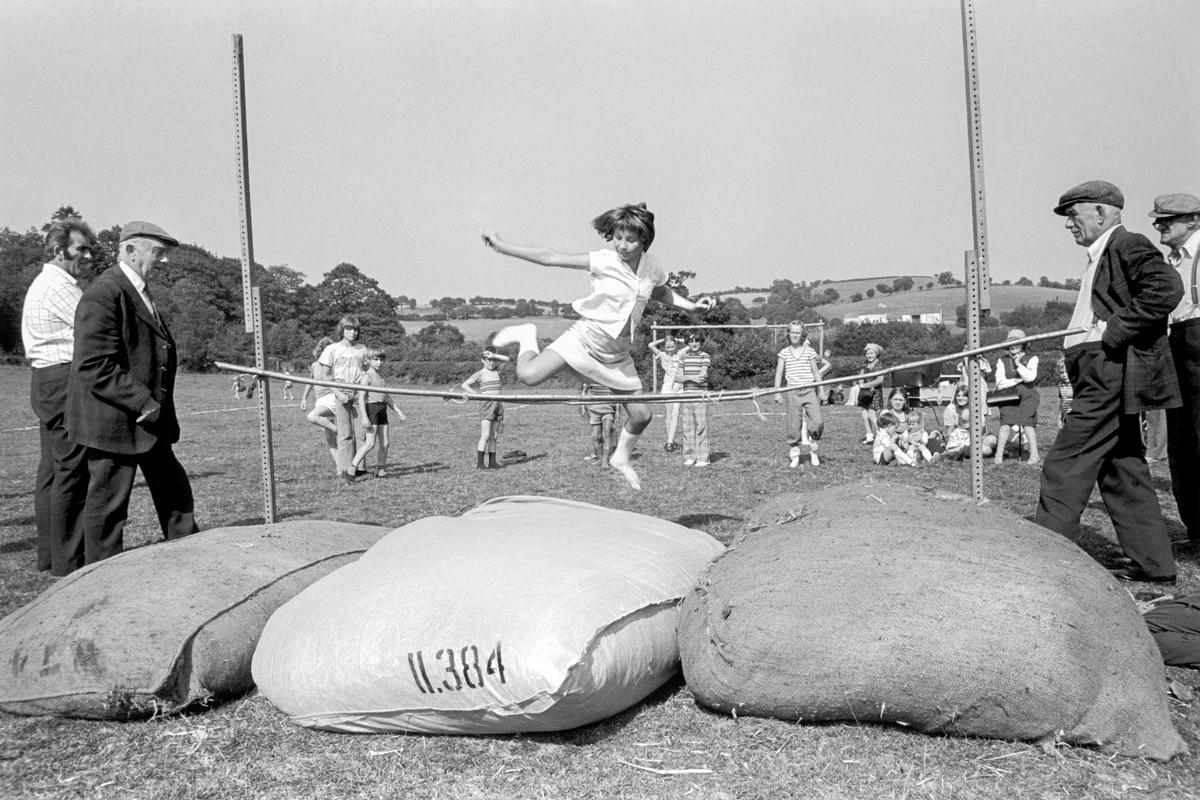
column 670, row 447
column 1138, row 575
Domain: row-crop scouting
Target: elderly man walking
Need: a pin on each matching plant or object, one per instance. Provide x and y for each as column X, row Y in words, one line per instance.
column 1120, row 367
column 48, row 332
column 1177, row 218
column 120, row 401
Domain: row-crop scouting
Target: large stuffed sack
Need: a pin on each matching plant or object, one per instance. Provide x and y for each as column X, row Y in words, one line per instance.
column 157, row 629
column 524, row 614
column 888, row 603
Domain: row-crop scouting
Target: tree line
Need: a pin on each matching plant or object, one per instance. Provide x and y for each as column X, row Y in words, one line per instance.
column 200, row 293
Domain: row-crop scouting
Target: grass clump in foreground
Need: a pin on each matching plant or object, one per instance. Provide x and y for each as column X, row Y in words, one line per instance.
column 666, row 747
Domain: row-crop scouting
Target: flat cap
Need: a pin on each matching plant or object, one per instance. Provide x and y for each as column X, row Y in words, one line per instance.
column 1014, row 334
column 148, row 229
column 1172, row 205
column 1090, row 192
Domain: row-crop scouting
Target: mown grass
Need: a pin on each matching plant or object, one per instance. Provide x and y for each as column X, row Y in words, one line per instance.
column 249, row 749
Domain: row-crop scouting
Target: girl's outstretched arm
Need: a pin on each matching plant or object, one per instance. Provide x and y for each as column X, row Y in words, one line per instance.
column 538, row 255
column 672, row 298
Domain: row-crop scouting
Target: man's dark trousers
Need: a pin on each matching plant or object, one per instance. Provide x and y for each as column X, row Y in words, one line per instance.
column 1183, row 425
column 62, row 477
column 111, row 484
column 1099, row 445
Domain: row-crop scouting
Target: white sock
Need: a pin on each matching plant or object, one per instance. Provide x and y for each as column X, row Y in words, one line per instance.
column 620, row 459
column 524, row 336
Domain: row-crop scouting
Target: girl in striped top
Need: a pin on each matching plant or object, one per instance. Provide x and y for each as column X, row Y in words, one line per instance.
column 491, row 412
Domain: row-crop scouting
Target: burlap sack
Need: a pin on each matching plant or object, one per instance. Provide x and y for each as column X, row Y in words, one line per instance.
column 524, row 614
column 891, row 604
column 160, row 628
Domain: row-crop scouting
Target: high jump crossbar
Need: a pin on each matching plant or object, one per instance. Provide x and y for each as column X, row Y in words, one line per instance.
column 688, row 397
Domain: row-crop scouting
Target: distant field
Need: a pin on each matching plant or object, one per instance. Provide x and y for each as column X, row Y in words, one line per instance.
column 478, row 330
column 1004, row 298
column 843, row 288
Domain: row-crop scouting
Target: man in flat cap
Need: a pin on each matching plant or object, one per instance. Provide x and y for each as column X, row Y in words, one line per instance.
column 120, row 401
column 1120, row 367
column 1177, row 218
column 48, row 332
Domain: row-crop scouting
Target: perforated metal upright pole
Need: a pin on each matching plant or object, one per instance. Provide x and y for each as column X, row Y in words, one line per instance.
column 975, row 137
column 974, row 378
column 251, row 299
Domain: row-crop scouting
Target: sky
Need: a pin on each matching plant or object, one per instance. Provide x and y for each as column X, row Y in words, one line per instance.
column 798, row 139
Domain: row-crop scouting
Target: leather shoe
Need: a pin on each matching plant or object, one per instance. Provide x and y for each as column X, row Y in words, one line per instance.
column 1136, row 574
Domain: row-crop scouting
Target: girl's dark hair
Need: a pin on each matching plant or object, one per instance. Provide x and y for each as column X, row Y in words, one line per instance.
column 635, row 218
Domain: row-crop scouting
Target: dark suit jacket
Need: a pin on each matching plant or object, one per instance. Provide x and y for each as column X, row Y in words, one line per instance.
column 1134, row 290
column 123, row 357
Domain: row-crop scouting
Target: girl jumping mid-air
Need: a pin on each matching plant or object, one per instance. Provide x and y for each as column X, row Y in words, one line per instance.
column 596, row 348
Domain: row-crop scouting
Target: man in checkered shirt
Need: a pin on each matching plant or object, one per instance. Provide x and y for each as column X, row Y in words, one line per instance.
column 48, row 332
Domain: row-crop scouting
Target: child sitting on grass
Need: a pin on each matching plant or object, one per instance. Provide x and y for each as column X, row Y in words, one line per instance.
column 915, row 439
column 886, row 449
column 373, row 411
column 957, row 420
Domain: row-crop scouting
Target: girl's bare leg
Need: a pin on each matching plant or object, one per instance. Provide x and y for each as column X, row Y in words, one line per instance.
column 637, row 418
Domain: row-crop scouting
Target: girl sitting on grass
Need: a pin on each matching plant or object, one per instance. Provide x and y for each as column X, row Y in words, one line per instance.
column 957, row 420
column 624, row 277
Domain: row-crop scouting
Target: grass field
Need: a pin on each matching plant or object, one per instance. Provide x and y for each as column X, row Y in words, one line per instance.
column 249, row 749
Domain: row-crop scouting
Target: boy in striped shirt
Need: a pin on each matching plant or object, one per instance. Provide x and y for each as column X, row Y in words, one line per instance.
column 799, row 365
column 693, row 375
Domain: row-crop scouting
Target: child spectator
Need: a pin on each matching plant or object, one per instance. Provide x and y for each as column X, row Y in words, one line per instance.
column 341, row 362
column 957, row 420
column 826, row 366
column 601, row 418
column 668, row 359
column 693, row 374
column 289, row 388
column 799, row 365
column 491, row 413
column 885, row 447
column 322, row 414
column 870, row 390
column 1065, row 393
column 915, row 439
column 1017, row 370
column 373, row 411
